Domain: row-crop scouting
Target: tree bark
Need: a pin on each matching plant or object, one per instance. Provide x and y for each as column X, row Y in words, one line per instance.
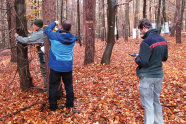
column 89, row 31
column 126, row 21
column 2, row 45
column 12, row 27
column 22, row 58
column 178, row 23
column 78, row 21
column 158, row 22
column 103, row 30
column 144, row 8
column 111, row 13
column 49, row 15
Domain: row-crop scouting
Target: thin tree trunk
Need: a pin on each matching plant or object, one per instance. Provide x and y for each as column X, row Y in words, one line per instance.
column 22, row 60
column 158, row 23
column 173, row 28
column 150, row 10
column 12, row 27
column 126, row 21
column 62, row 10
column 90, row 31
column 78, row 19
column 110, row 37
column 2, row 45
column 144, row 8
column 178, row 23
column 103, row 31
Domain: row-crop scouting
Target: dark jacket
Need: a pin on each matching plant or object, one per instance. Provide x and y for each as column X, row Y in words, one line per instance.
column 153, row 50
column 61, row 51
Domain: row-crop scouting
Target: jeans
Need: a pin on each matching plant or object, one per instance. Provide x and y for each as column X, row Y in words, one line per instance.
column 150, row 89
column 54, row 81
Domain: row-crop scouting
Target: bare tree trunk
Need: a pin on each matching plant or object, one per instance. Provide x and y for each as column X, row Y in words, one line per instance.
column 90, row 31
column 173, row 27
column 158, row 22
column 182, row 12
column 12, row 27
column 144, row 8
column 126, row 21
column 22, row 60
column 49, row 14
column 136, row 17
column 103, row 31
column 2, row 44
column 62, row 10
column 78, row 21
column 111, row 14
column 150, row 10
column 178, row 23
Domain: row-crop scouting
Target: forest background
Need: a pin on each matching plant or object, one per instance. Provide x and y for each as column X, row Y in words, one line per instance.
column 105, row 83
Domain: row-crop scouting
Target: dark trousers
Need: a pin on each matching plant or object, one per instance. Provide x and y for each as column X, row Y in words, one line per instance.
column 54, row 81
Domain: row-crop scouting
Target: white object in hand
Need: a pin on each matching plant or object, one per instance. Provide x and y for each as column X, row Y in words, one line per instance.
column 57, row 22
column 43, row 49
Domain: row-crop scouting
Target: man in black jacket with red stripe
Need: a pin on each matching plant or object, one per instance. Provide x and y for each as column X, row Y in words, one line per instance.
column 153, row 50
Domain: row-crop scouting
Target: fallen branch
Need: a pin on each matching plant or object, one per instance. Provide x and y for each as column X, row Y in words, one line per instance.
column 23, row 109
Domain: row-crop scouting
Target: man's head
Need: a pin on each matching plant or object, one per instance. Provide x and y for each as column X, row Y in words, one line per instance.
column 66, row 25
column 38, row 23
column 144, row 25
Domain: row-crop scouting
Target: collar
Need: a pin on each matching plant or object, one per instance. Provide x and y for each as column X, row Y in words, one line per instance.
column 149, row 32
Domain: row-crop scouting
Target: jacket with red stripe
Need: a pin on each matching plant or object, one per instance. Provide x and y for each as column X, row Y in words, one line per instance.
column 153, row 50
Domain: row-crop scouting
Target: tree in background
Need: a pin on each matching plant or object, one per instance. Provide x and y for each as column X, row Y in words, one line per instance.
column 22, row 58
column 111, row 15
column 11, row 26
column 89, row 31
column 144, row 9
column 178, row 22
column 158, row 22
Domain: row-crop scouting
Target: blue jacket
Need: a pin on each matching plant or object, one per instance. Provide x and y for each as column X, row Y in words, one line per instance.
column 61, row 51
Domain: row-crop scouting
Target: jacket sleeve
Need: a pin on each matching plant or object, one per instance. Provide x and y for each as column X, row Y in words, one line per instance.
column 51, row 34
column 165, row 56
column 33, row 38
column 144, row 54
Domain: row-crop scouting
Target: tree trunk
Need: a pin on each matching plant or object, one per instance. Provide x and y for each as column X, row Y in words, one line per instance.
column 22, row 58
column 150, row 10
column 182, row 12
column 126, row 21
column 173, row 27
column 144, row 9
column 62, row 10
column 78, row 19
column 158, row 23
column 103, row 30
column 111, row 13
column 89, row 31
column 2, row 44
column 11, row 27
column 49, row 15
column 178, row 23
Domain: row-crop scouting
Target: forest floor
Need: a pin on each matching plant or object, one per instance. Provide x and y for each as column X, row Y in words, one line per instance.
column 104, row 94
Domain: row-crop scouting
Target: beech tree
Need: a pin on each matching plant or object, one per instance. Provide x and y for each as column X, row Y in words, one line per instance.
column 89, row 31
column 22, row 57
column 111, row 13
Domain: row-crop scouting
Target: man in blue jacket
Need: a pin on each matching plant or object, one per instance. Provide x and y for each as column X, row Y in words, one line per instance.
column 153, row 50
column 60, row 62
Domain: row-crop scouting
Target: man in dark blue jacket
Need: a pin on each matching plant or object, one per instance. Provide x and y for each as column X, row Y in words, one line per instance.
column 60, row 62
column 153, row 50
